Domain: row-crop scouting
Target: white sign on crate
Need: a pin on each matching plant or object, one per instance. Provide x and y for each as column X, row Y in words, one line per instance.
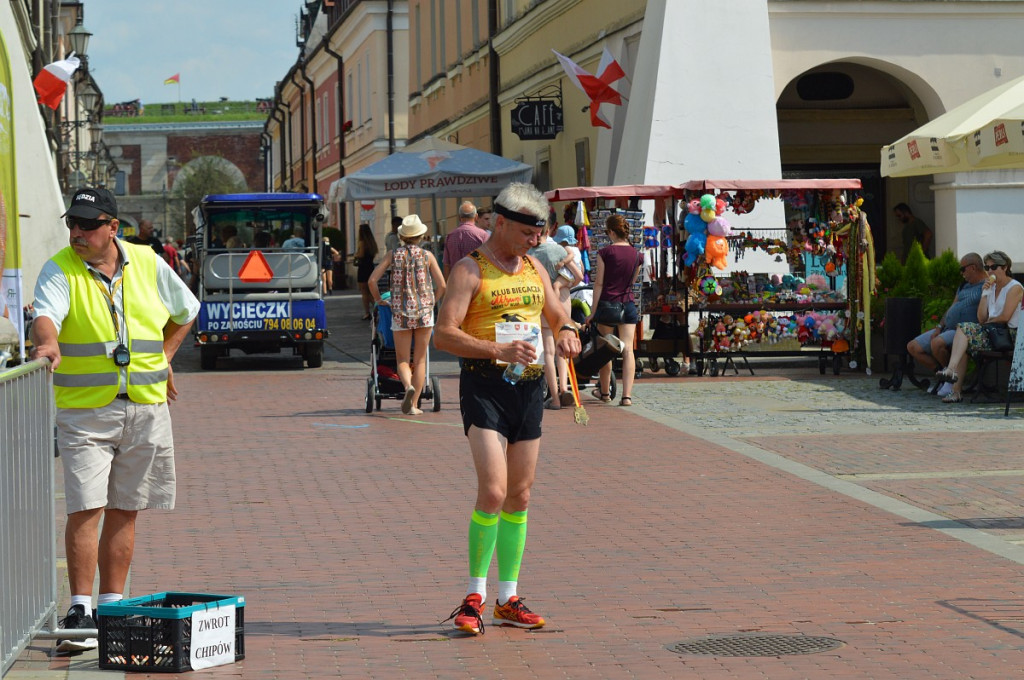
column 213, row 637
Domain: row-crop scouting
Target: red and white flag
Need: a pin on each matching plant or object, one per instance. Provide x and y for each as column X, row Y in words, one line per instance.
column 52, row 81
column 598, row 88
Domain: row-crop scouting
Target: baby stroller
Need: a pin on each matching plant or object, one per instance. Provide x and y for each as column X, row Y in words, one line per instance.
column 597, row 351
column 384, row 382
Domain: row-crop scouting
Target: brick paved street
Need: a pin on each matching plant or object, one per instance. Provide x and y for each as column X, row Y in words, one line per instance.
column 790, row 504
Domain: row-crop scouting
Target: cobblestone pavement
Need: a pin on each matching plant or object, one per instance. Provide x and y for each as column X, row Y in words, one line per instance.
column 788, row 504
column 849, row 404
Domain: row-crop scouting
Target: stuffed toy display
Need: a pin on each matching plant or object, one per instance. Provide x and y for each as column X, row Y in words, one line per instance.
column 704, row 224
column 815, row 242
column 695, row 242
column 707, row 231
column 729, row 334
column 716, row 252
column 719, row 227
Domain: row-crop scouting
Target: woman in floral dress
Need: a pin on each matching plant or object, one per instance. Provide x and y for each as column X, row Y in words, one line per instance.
column 416, row 285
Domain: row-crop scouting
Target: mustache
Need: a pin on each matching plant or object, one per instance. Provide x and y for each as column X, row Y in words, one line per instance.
column 78, row 242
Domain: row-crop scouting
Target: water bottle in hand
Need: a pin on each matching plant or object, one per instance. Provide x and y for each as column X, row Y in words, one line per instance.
column 515, row 371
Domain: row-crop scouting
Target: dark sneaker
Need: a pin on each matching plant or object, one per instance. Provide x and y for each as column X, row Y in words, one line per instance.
column 77, row 619
column 515, row 613
column 467, row 616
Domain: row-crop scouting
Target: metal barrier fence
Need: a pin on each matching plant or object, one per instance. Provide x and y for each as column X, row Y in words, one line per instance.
column 28, row 551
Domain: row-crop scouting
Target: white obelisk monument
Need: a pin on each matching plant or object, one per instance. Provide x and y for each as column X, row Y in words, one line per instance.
column 702, row 106
column 702, row 101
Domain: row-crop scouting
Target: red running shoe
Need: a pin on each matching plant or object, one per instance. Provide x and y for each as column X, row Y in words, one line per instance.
column 467, row 616
column 515, row 613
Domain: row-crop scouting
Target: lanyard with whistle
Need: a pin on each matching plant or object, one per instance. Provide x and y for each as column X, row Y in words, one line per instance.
column 110, row 294
column 121, row 355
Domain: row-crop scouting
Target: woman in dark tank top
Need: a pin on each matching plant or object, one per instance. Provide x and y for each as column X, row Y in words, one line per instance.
column 618, row 265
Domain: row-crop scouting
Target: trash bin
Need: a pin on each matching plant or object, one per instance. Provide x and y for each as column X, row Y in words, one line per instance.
column 902, row 323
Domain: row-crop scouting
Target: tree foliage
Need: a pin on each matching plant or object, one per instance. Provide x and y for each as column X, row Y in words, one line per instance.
column 935, row 282
column 202, row 176
column 944, row 272
column 915, row 281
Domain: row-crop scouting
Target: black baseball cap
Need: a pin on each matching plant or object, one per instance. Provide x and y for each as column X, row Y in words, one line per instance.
column 91, row 203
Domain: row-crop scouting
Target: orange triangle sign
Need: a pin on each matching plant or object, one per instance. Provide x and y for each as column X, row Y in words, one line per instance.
column 255, row 268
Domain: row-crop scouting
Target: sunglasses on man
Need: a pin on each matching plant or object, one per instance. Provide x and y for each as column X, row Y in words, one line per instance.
column 85, row 224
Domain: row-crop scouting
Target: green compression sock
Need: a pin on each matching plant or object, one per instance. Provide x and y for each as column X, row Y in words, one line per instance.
column 511, row 542
column 483, row 533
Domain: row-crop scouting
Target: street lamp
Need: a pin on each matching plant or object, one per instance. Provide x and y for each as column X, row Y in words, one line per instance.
column 89, row 96
column 169, row 165
column 78, row 37
column 101, row 170
column 95, row 136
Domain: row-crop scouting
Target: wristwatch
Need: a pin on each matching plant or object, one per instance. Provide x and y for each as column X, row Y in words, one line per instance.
column 567, row 327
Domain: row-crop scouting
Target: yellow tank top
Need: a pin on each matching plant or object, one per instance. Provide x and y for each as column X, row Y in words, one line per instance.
column 503, row 297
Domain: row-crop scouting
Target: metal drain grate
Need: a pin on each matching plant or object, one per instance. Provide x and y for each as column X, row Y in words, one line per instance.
column 759, row 644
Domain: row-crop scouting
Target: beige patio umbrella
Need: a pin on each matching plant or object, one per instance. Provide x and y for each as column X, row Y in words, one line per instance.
column 983, row 133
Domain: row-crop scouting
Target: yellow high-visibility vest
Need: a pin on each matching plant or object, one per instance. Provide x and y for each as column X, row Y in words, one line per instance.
column 87, row 376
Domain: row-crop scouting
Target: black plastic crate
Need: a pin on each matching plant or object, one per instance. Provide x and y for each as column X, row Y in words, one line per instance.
column 154, row 633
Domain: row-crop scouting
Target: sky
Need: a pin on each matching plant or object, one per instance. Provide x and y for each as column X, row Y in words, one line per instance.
column 222, row 48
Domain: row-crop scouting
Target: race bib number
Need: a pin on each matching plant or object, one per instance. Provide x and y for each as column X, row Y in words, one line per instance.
column 507, row 331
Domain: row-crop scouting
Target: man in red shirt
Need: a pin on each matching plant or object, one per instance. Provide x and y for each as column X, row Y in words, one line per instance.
column 466, row 238
column 171, row 253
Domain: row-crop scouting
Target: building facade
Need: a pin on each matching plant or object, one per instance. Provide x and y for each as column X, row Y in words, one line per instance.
column 342, row 106
column 150, row 157
column 838, row 80
column 46, row 153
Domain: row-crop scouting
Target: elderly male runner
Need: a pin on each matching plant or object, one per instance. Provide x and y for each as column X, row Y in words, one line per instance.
column 500, row 284
column 111, row 316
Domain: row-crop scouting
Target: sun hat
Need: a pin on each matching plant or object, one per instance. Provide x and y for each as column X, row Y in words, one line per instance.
column 565, row 234
column 412, row 227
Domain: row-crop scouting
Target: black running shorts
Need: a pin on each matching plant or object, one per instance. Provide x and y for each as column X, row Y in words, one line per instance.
column 513, row 411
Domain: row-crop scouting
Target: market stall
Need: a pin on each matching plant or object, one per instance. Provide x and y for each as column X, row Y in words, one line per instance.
column 819, row 305
column 430, row 168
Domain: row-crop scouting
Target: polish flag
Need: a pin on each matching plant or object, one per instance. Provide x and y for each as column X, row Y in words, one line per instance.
column 598, row 88
column 52, row 81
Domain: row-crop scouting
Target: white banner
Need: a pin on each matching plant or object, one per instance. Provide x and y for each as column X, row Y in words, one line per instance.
column 12, row 298
column 213, row 637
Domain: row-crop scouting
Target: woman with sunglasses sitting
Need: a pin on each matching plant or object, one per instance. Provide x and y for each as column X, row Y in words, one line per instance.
column 1000, row 304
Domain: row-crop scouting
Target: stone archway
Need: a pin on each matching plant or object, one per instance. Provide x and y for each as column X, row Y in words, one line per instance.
column 203, row 175
column 219, row 163
column 833, row 120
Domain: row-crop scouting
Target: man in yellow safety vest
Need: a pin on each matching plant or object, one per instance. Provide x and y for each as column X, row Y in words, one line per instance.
column 110, row 317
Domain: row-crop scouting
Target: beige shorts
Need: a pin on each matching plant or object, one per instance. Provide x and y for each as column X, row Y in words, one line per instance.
column 119, row 456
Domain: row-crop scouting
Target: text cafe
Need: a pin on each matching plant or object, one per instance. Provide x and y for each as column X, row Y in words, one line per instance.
column 537, row 119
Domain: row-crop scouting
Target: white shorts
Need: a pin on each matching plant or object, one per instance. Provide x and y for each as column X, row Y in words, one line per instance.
column 119, row 456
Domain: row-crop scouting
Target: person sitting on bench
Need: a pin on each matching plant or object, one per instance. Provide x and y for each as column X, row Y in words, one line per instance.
column 1000, row 304
column 931, row 348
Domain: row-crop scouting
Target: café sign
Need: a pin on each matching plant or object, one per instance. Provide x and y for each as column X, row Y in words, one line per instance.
column 537, row 118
